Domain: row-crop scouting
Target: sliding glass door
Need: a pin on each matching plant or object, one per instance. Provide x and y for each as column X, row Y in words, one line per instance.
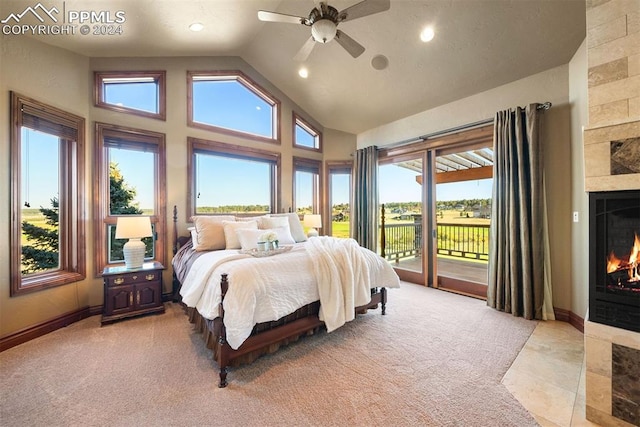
column 401, row 197
column 437, row 210
column 463, row 214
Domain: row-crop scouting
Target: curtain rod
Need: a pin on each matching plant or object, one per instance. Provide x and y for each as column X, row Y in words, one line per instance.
column 541, row 106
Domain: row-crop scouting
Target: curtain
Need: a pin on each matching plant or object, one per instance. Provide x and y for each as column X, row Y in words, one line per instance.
column 364, row 216
column 518, row 269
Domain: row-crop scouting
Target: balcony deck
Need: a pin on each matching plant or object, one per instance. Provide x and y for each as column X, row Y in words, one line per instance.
column 454, row 268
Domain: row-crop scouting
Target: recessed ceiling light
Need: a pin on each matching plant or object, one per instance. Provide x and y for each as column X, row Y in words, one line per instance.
column 303, row 72
column 427, row 34
column 196, row 26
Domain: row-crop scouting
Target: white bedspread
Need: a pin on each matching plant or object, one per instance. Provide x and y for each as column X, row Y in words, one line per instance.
column 266, row 289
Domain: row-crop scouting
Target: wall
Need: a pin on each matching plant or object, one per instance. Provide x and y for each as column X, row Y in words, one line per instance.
column 58, row 78
column 551, row 85
column 65, row 80
column 579, row 199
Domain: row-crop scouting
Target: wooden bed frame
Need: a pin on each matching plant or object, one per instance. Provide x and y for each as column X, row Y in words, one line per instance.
column 266, row 337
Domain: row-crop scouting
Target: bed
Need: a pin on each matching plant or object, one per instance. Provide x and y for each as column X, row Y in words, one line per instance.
column 246, row 302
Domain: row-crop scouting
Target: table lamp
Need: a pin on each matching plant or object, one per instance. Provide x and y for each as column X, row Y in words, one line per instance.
column 133, row 228
column 313, row 221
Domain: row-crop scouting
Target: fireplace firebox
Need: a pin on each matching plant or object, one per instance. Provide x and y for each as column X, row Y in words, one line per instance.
column 614, row 258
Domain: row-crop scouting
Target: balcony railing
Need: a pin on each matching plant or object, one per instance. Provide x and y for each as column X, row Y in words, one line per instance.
column 404, row 240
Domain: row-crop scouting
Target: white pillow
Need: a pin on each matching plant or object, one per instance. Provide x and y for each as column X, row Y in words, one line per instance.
column 230, row 228
column 249, row 238
column 274, row 222
column 194, row 237
column 258, row 219
column 210, row 231
column 297, row 231
column 284, row 235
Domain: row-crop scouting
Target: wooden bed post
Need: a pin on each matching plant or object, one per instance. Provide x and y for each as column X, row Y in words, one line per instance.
column 175, row 229
column 222, row 338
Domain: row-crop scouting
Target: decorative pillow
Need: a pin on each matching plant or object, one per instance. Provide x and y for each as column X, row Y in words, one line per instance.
column 230, row 235
column 210, row 232
column 258, row 219
column 297, row 231
column 274, row 222
column 284, row 235
column 249, row 238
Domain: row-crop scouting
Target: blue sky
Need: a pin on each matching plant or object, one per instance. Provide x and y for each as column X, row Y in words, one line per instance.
column 241, row 110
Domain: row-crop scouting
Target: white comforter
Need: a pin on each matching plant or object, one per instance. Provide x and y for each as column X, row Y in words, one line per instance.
column 337, row 272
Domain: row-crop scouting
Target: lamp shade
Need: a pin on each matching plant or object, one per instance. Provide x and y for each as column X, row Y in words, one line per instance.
column 313, row 220
column 129, row 227
column 133, row 228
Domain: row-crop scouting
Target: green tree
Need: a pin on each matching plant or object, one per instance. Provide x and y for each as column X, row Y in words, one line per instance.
column 121, row 197
column 121, row 194
column 41, row 252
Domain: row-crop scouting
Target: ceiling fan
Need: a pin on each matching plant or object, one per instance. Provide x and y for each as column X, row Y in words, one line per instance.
column 324, row 19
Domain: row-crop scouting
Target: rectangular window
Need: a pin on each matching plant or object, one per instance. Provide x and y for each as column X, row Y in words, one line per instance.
column 306, row 136
column 339, row 198
column 130, row 165
column 230, row 102
column 47, row 173
column 141, row 93
column 213, row 166
column 306, row 190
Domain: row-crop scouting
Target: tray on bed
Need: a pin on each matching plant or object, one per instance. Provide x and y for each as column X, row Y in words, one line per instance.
column 271, row 252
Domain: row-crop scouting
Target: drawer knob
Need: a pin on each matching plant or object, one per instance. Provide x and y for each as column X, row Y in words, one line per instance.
column 150, row 276
column 134, row 277
column 119, row 281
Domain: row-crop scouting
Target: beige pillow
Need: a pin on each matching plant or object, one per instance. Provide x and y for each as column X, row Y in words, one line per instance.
column 210, row 232
column 297, row 231
column 230, row 232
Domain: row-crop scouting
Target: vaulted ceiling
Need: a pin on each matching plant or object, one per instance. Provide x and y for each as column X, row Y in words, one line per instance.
column 478, row 45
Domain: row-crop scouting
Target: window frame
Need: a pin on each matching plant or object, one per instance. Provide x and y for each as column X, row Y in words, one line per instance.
column 314, row 166
column 308, row 127
column 198, row 145
column 136, row 139
column 249, row 84
column 158, row 76
column 71, row 219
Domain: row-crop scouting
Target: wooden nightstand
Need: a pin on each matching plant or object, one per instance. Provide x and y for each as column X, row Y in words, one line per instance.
column 132, row 292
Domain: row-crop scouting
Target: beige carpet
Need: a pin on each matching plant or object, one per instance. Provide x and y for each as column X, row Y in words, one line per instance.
column 435, row 359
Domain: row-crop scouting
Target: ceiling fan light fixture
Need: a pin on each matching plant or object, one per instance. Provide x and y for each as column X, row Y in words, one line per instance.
column 323, row 30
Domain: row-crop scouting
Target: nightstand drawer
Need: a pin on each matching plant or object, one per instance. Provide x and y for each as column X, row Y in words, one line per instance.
column 130, row 278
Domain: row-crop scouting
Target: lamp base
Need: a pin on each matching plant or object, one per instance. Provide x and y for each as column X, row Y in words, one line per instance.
column 312, row 232
column 133, row 252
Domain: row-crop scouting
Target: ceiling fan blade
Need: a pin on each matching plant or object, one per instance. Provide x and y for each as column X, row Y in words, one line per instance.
column 364, row 8
column 305, row 50
column 354, row 48
column 263, row 15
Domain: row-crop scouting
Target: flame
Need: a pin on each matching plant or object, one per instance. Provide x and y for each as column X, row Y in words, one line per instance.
column 632, row 265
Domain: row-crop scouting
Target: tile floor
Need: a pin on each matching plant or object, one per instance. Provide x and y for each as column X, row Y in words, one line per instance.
column 548, row 376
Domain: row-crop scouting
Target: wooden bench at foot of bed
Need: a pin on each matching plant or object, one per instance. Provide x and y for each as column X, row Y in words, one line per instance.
column 266, row 337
